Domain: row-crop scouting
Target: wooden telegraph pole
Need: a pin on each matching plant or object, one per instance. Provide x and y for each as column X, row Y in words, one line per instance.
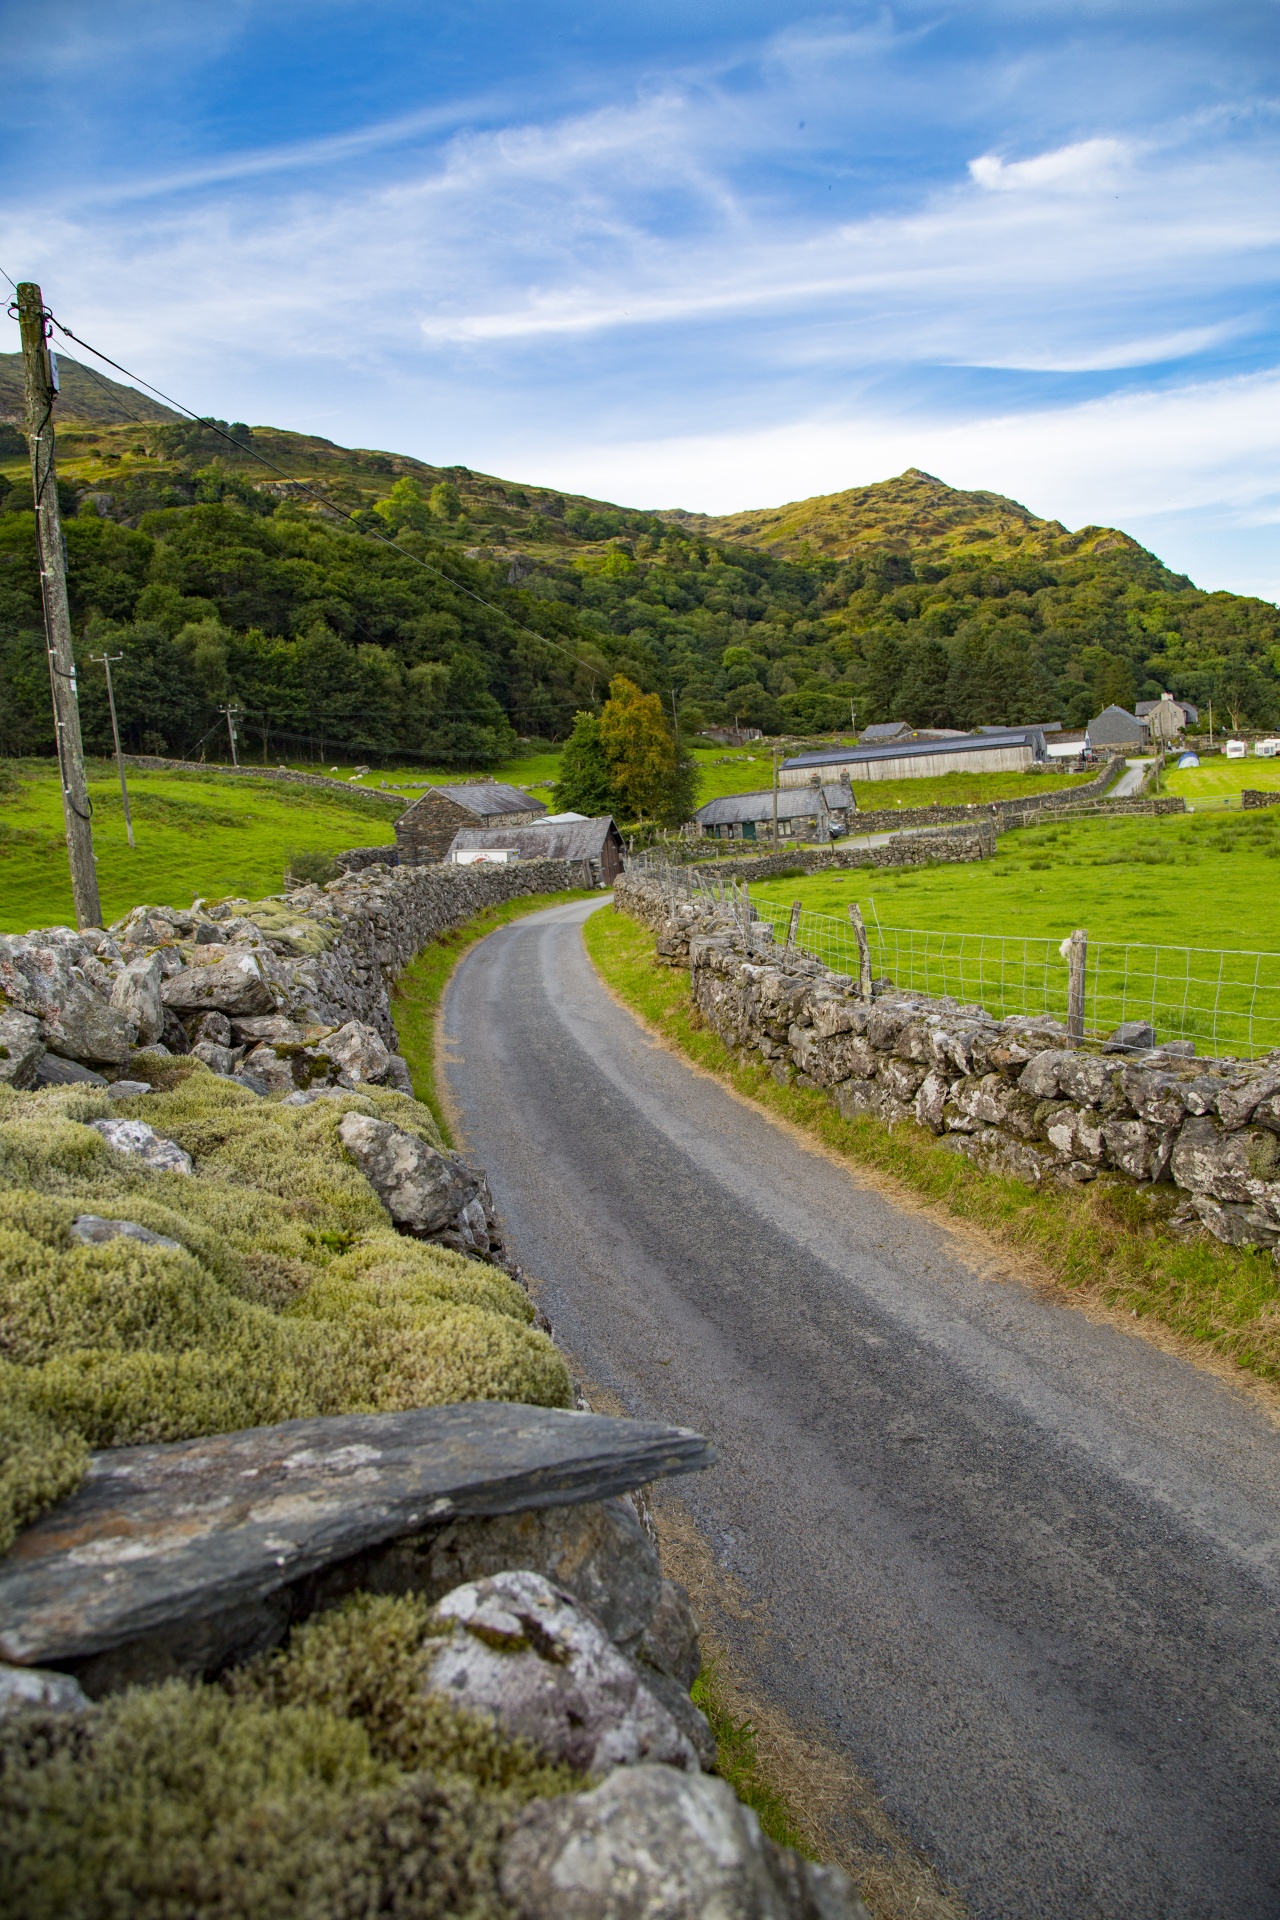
column 106, row 659
column 41, row 393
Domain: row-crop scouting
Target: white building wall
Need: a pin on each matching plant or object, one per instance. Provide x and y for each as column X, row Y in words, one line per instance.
column 1013, row 758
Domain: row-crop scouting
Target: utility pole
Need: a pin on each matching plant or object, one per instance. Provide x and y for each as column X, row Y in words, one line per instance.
column 231, row 730
column 106, row 659
column 40, row 394
column 775, row 799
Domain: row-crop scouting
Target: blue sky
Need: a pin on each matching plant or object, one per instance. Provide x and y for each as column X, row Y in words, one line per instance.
column 711, row 256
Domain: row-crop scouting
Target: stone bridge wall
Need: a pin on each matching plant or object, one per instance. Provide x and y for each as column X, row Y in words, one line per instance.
column 1012, row 1094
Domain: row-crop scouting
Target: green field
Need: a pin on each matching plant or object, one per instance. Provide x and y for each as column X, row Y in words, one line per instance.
column 1220, row 781
column 989, row 932
column 197, row 834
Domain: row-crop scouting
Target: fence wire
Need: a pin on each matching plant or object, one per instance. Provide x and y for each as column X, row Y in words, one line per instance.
column 1225, row 1000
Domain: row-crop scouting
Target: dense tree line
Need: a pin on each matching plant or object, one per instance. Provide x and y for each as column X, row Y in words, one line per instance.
column 229, row 594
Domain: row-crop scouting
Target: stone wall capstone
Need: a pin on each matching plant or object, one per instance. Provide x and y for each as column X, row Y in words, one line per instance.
column 1012, row 1094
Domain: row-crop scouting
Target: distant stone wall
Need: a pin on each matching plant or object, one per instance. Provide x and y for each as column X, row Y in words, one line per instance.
column 892, row 819
column 975, row 841
column 1252, row 798
column 356, row 859
column 152, row 763
column 1012, row 1094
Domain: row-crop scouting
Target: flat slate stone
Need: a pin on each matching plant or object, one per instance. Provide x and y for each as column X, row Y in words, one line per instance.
column 170, row 1541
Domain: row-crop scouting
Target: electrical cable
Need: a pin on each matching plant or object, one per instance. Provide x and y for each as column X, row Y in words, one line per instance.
column 383, row 538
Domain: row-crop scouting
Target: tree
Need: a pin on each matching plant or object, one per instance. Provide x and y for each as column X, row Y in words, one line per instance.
column 586, row 776
column 923, row 694
column 640, row 750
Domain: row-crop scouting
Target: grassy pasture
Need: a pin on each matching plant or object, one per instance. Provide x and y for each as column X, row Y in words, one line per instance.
column 1210, row 883
column 197, row 834
column 1221, row 781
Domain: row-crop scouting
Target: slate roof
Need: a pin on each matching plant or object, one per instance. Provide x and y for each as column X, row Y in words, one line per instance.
column 1144, row 707
column 884, row 730
column 487, row 796
column 1115, row 727
column 731, row 809
column 572, row 840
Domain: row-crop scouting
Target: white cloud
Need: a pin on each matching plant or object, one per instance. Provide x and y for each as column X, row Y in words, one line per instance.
column 1087, row 166
column 1210, row 446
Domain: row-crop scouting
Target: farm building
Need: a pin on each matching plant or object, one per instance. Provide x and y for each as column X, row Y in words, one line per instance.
column 1010, row 750
column 1117, row 727
column 1190, row 714
column 425, row 830
column 809, row 812
column 595, row 841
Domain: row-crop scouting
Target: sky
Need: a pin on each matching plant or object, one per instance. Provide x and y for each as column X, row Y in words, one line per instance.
column 701, row 255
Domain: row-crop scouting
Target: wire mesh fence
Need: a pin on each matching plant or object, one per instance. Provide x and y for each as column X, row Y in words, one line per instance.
column 1225, row 1000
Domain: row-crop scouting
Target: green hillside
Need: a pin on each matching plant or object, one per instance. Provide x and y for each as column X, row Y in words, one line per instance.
column 219, row 579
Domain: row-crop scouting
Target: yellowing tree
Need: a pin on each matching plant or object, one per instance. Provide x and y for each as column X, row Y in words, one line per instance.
column 637, row 743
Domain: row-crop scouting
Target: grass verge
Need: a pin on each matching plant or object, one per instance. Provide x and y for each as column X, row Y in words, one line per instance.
column 738, row 1762
column 415, row 1003
column 1107, row 1241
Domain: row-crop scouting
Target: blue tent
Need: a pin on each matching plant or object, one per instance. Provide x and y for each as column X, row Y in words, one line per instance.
column 1189, row 760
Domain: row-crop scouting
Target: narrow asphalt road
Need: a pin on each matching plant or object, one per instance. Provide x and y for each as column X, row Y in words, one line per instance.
column 1023, row 1569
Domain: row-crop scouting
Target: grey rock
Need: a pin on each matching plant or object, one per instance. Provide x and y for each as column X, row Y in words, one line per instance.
column 267, row 1026
column 1203, row 1092
column 1039, row 1077
column 427, row 1193
column 1227, row 1166
column 213, row 1027
column 232, row 984
column 136, row 992
column 1131, row 1036
column 25, row 1688
column 670, row 1641
column 146, row 927
column 193, row 1554
column 44, row 976
column 1154, row 1096
column 653, row 1843
column 1236, row 1104
column 175, row 1034
column 529, row 1655
column 1138, row 1148
column 127, row 1089
column 274, row 1069
column 398, row 1075
column 252, row 1083
column 223, row 1060
column 53, row 1071
column 92, row 1230
column 136, row 1137
column 931, row 1100
column 1238, row 1226
column 359, row 1051
column 21, row 1048
column 1086, row 1080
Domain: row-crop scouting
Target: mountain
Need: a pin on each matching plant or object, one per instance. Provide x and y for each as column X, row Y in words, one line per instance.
column 914, row 513
column 505, row 607
column 84, row 394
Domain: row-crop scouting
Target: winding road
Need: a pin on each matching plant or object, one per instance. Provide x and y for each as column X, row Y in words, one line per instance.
column 1023, row 1569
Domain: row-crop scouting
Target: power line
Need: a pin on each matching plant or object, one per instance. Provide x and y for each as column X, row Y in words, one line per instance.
column 385, row 539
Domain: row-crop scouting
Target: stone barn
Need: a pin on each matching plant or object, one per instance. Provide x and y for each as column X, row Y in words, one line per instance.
column 425, row 830
column 595, row 842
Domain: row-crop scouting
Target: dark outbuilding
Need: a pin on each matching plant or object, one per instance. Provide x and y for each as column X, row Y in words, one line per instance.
column 424, row 830
column 595, row 842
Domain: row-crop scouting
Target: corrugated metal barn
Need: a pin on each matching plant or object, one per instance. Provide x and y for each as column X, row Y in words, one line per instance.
column 1010, row 751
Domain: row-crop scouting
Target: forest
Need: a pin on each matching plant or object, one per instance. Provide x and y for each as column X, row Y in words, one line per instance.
column 509, row 609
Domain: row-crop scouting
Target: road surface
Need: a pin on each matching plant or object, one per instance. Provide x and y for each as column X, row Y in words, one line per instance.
column 1022, row 1568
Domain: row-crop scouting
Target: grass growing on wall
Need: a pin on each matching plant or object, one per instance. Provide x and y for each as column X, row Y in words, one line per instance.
column 197, row 834
column 1107, row 1239
column 415, row 1000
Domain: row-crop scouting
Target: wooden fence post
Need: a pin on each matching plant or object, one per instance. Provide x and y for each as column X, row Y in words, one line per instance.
column 793, row 925
column 864, row 951
column 1076, row 948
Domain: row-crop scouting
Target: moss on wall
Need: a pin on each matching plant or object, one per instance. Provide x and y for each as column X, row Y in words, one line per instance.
column 289, row 1294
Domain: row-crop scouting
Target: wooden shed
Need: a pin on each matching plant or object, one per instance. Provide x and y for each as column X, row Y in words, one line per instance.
column 425, row 830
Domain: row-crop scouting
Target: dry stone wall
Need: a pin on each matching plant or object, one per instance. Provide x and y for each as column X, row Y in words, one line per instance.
column 1013, row 1094
column 976, row 841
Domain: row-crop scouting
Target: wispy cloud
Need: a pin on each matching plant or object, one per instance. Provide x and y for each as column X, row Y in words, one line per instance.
column 725, row 237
